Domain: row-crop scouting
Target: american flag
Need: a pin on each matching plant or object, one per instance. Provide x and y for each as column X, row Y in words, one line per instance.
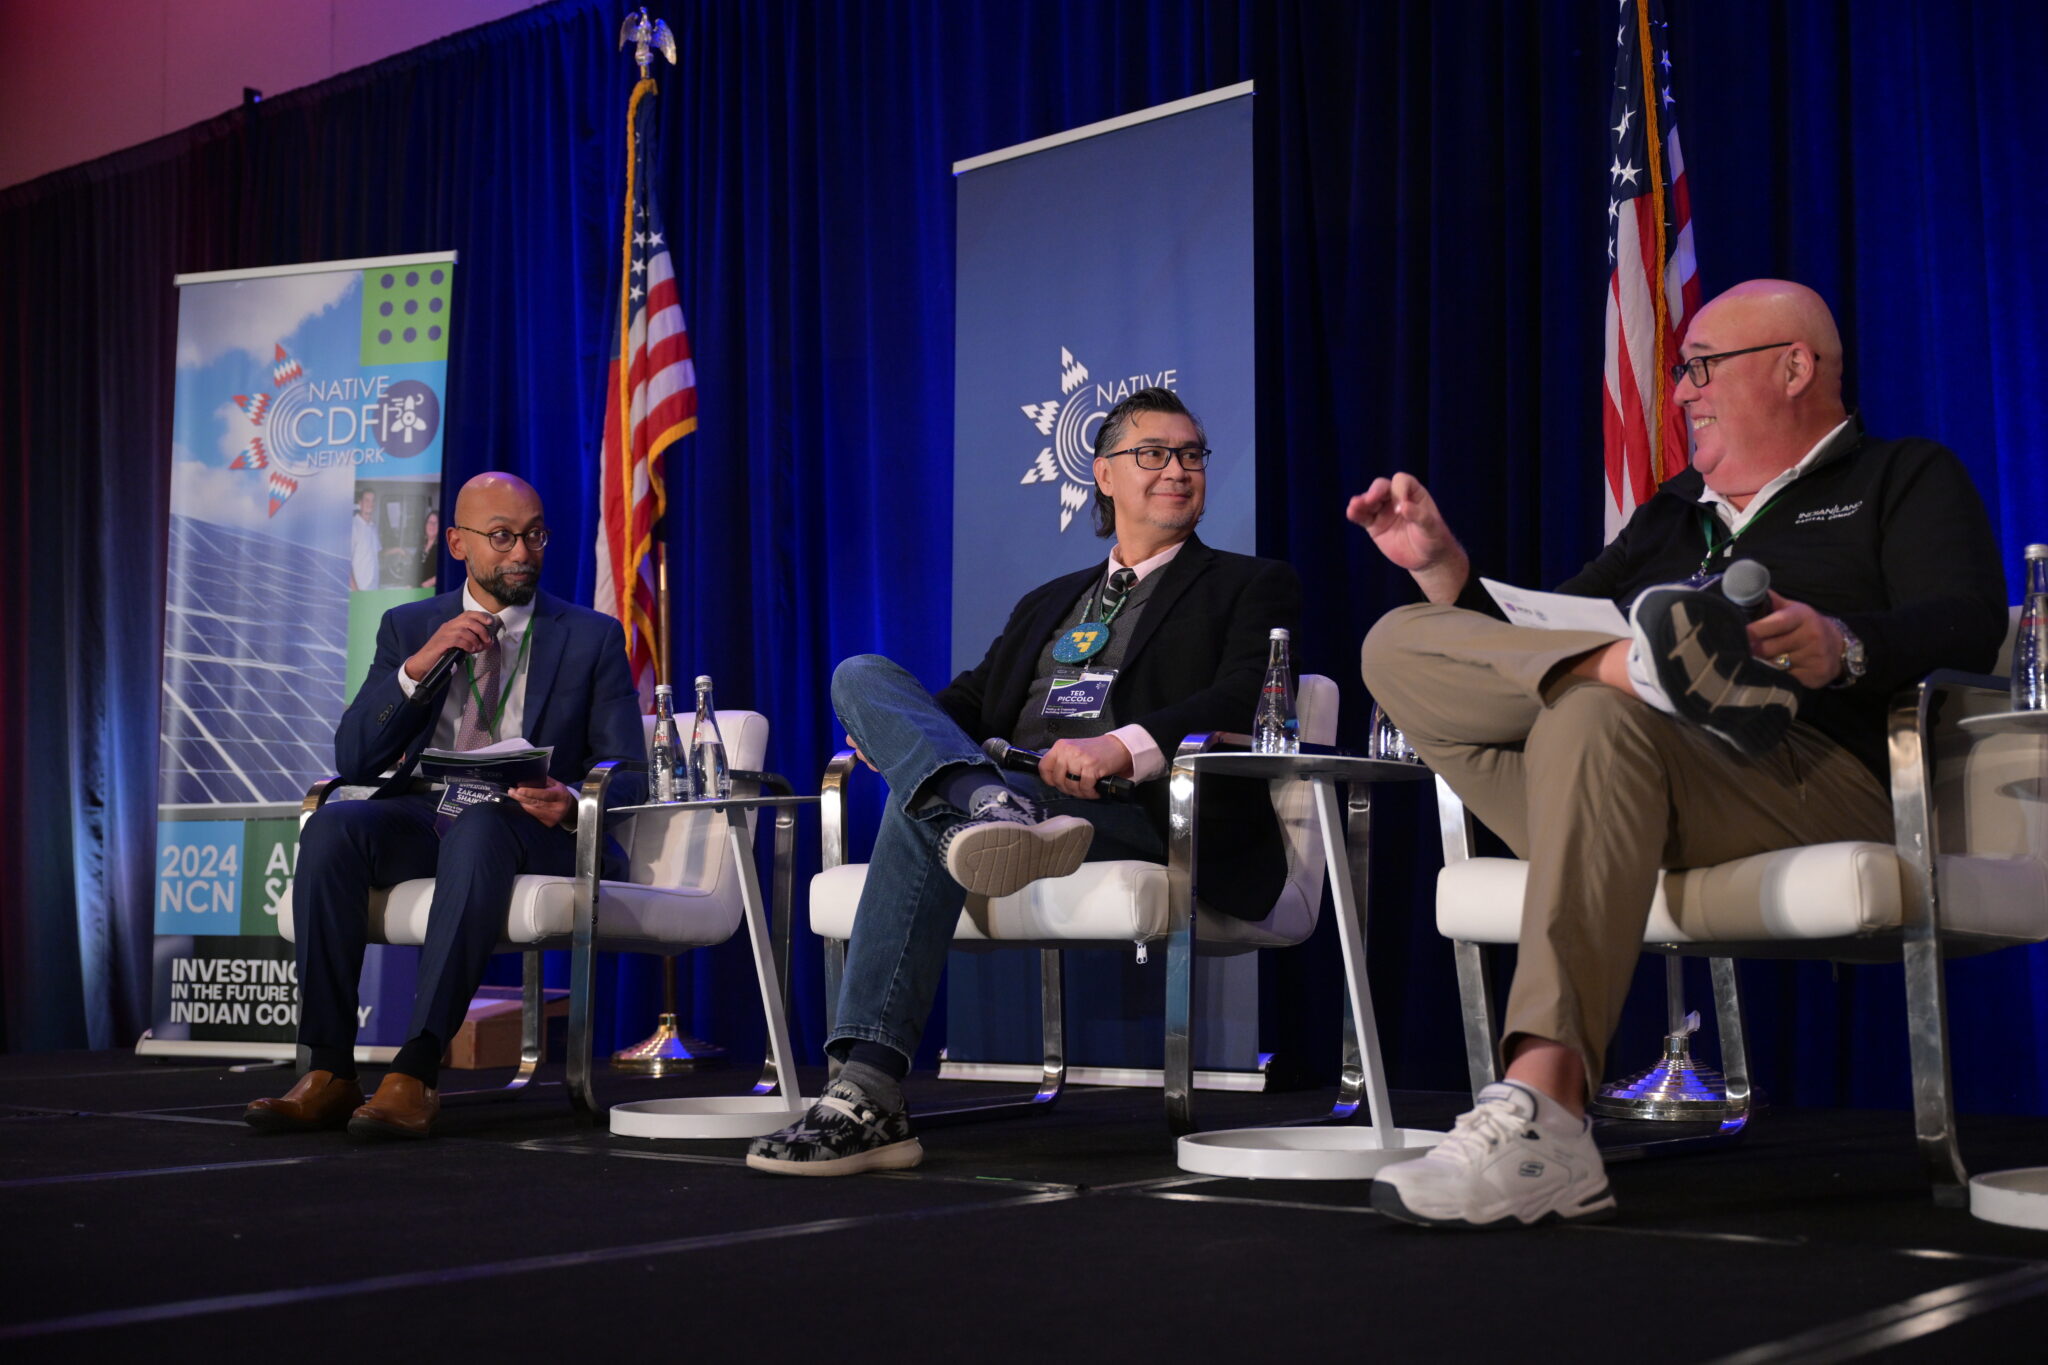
column 650, row 404
column 1653, row 287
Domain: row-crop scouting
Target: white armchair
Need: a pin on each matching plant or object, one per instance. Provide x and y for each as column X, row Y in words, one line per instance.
column 682, row 890
column 1114, row 904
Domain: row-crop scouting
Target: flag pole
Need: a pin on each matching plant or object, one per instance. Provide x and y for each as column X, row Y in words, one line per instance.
column 663, row 668
column 668, row 1049
column 1660, row 464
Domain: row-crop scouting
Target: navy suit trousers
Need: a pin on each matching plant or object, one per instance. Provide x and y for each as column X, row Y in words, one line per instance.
column 348, row 847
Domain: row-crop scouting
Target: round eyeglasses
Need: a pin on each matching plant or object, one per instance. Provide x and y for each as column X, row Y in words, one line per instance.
column 502, row 539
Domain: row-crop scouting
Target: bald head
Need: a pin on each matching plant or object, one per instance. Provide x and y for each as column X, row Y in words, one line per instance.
column 495, row 493
column 1792, row 312
column 503, row 504
column 1773, row 386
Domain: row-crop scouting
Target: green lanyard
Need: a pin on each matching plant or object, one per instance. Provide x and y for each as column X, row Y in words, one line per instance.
column 1727, row 547
column 505, row 687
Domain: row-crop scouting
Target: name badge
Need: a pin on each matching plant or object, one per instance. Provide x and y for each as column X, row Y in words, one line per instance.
column 460, row 796
column 1081, row 698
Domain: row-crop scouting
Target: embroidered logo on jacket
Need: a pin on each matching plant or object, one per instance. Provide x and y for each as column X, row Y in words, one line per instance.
column 1835, row 513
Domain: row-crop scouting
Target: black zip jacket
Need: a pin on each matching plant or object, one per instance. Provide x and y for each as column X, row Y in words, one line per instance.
column 1889, row 536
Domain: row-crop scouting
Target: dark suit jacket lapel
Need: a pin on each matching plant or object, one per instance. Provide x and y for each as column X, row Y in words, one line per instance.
column 550, row 638
column 1174, row 580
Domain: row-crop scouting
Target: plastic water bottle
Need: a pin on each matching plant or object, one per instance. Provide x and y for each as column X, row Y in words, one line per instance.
column 1275, row 730
column 710, row 779
column 2030, row 650
column 667, row 753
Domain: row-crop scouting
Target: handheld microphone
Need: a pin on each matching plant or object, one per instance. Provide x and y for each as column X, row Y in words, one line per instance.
column 1008, row 755
column 430, row 685
column 1748, row 585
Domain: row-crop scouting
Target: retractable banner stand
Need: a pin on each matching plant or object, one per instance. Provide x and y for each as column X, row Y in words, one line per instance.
column 1094, row 263
column 305, row 502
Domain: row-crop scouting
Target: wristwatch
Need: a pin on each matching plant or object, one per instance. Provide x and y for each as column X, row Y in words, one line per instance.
column 1855, row 662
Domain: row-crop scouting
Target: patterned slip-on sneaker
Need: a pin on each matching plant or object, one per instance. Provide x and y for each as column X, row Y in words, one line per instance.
column 1501, row 1166
column 1004, row 846
column 843, row 1133
column 1697, row 645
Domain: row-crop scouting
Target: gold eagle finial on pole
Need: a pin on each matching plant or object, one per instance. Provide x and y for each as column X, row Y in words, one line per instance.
column 648, row 36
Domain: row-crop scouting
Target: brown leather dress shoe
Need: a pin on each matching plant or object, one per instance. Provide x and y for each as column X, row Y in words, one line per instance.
column 403, row 1107
column 319, row 1100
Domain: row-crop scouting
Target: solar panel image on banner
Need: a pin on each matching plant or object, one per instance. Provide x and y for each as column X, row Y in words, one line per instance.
column 255, row 652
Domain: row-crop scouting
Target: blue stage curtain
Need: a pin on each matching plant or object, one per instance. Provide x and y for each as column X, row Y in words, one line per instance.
column 1431, row 209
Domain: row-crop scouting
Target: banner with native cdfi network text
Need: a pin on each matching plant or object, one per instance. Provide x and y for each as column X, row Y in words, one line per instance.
column 305, row 502
column 1091, row 264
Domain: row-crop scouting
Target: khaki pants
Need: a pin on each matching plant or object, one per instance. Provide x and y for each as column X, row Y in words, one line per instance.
column 1597, row 791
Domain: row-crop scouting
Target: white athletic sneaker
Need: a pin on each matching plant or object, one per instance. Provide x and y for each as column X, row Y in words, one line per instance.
column 1502, row 1164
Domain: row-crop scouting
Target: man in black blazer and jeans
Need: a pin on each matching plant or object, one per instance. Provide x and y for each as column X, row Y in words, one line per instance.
column 1104, row 670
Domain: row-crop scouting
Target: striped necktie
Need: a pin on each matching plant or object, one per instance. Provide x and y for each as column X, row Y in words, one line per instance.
column 480, row 703
column 1120, row 584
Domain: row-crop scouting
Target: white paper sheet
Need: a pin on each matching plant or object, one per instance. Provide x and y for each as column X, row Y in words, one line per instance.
column 1556, row 610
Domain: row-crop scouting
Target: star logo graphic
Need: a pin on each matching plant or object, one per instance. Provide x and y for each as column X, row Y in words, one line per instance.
column 1068, row 423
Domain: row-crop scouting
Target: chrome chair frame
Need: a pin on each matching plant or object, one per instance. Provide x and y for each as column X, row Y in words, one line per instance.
column 580, row 1063
column 1181, row 944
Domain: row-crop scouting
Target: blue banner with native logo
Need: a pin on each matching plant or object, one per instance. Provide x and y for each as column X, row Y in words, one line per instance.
column 305, row 502
column 1092, row 264
column 1113, row 258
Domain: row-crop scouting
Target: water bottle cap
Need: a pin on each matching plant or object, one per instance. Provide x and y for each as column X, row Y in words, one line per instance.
column 2037, row 552
column 663, row 690
column 1279, row 633
column 703, row 681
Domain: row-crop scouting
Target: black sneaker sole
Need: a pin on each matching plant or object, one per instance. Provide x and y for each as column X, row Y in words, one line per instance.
column 1699, row 647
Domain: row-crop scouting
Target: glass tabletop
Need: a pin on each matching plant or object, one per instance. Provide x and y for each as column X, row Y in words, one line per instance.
column 2008, row 722
column 1342, row 767
column 729, row 803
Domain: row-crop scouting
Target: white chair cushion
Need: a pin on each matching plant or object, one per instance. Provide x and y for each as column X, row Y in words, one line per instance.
column 693, row 900
column 631, row 918
column 1110, row 904
column 1104, row 904
column 1839, row 891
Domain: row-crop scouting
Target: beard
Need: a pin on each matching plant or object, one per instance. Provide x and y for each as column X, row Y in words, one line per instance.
column 510, row 586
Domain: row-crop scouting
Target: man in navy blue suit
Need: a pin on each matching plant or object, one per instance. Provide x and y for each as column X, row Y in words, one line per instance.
column 536, row 669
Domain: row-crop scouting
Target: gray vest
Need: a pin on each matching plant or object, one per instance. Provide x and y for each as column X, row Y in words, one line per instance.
column 1036, row 730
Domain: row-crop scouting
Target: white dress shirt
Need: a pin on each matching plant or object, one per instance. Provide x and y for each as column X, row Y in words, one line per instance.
column 1735, row 520
column 514, row 623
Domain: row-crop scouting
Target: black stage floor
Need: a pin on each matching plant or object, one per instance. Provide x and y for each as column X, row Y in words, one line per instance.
column 143, row 1221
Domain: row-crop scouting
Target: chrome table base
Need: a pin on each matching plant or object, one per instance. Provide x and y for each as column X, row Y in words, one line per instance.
column 667, row 1051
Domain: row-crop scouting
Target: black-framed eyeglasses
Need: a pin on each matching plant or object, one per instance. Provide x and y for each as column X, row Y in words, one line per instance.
column 1191, row 458
column 1701, row 367
column 501, row 539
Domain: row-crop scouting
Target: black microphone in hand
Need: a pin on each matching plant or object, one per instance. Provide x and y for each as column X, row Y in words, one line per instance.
column 429, row 687
column 1748, row 585
column 1008, row 755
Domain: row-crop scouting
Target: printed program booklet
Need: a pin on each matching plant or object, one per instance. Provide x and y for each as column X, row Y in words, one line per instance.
column 508, row 763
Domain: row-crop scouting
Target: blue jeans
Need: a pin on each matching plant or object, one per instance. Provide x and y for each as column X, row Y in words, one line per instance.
column 910, row 904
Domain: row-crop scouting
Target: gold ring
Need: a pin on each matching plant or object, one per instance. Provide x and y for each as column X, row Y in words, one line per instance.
column 1782, row 662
